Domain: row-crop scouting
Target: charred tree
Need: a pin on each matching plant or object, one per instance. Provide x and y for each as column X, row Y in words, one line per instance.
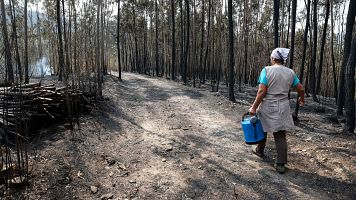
column 323, row 40
column 26, row 43
column 305, row 44
column 60, row 42
column 350, row 89
column 347, row 46
column 187, row 42
column 231, row 53
column 7, row 49
column 332, row 50
column 98, row 52
column 294, row 16
column 275, row 22
column 202, row 42
column 156, row 39
column 173, row 76
column 207, row 42
column 15, row 36
column 315, row 48
column 118, row 40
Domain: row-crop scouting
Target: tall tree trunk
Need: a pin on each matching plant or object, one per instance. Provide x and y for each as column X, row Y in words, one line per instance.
column 181, row 63
column 67, row 62
column 60, row 42
column 246, row 36
column 332, row 49
column 156, row 41
column 289, row 22
column 323, row 39
column 207, row 41
column 187, row 42
column 145, row 46
column 350, row 89
column 39, row 35
column 195, row 36
column 231, row 53
column 275, row 22
column 26, row 43
column 305, row 44
column 102, row 40
column 136, row 67
column 8, row 56
column 76, row 67
column 315, row 48
column 98, row 49
column 202, row 42
column 347, row 46
column 14, row 29
column 173, row 77
column 118, row 40
column 294, row 16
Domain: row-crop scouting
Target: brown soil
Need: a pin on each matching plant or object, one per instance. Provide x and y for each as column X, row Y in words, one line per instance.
column 157, row 139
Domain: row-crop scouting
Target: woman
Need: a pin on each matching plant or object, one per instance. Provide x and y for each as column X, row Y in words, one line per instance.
column 272, row 103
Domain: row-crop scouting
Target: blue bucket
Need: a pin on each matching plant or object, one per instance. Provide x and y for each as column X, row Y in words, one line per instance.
column 252, row 128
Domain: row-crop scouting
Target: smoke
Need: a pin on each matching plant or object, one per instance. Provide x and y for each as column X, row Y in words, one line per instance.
column 41, row 67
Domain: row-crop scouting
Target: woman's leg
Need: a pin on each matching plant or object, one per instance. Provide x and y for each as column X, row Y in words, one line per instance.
column 281, row 146
column 261, row 146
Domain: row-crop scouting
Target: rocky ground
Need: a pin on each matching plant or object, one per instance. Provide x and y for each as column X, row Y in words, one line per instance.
column 156, row 139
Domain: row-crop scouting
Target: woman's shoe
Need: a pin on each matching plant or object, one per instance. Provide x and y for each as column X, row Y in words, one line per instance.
column 280, row 168
column 258, row 152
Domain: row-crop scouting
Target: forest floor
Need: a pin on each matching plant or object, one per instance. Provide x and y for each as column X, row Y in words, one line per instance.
column 157, row 139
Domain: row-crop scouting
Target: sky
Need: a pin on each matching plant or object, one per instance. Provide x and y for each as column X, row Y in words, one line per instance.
column 41, row 8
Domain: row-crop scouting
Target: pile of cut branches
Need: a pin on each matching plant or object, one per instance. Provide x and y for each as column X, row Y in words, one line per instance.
column 32, row 103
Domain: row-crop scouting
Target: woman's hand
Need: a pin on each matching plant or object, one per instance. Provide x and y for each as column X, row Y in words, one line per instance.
column 301, row 101
column 252, row 111
column 301, row 93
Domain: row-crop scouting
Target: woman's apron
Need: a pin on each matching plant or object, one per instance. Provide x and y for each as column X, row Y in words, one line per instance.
column 274, row 111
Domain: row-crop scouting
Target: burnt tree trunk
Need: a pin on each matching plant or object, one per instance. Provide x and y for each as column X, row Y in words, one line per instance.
column 207, row 42
column 332, row 50
column 202, row 43
column 118, row 40
column 14, row 32
column 187, row 42
column 294, row 16
column 305, row 43
column 323, row 40
column 66, row 41
column 97, row 54
column 156, row 41
column 26, row 45
column 173, row 76
column 137, row 65
column 8, row 56
column 275, row 22
column 231, row 53
column 60, row 43
column 181, row 63
column 347, row 46
column 315, row 47
column 350, row 89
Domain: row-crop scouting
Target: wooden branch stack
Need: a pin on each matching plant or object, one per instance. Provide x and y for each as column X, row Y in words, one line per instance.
column 22, row 104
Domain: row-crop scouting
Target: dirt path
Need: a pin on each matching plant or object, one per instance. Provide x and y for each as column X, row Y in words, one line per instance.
column 157, row 139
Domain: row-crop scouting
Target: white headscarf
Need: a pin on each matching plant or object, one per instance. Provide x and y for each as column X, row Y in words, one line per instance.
column 280, row 53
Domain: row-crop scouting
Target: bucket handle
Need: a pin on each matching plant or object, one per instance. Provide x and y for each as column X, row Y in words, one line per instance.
column 244, row 115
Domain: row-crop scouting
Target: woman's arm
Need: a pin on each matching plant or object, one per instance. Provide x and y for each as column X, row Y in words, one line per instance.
column 261, row 93
column 300, row 89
